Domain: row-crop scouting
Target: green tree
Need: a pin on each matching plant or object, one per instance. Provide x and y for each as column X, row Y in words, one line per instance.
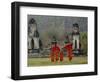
column 83, row 41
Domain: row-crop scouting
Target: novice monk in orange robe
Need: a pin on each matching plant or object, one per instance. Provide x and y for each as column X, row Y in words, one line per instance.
column 55, row 52
column 68, row 47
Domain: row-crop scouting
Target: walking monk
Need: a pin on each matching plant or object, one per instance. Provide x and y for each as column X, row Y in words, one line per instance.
column 55, row 51
column 68, row 48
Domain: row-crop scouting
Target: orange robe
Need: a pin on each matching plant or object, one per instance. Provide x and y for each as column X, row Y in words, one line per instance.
column 55, row 53
column 61, row 56
column 68, row 48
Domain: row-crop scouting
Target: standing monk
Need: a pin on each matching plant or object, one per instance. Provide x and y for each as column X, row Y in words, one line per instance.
column 68, row 47
column 55, row 51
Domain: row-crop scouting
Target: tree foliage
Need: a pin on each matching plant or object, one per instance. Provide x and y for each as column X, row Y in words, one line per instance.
column 84, row 42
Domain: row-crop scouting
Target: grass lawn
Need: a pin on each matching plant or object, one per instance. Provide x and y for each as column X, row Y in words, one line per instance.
column 47, row 62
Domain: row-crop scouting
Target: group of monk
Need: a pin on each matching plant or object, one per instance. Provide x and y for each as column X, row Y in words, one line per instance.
column 57, row 53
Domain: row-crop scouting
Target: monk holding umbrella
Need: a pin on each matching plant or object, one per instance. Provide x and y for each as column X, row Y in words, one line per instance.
column 55, row 51
column 68, row 48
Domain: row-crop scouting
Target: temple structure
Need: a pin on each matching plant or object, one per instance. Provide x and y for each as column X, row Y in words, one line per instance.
column 34, row 42
column 76, row 39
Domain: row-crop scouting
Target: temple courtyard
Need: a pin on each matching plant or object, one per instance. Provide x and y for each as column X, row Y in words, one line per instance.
column 47, row 62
